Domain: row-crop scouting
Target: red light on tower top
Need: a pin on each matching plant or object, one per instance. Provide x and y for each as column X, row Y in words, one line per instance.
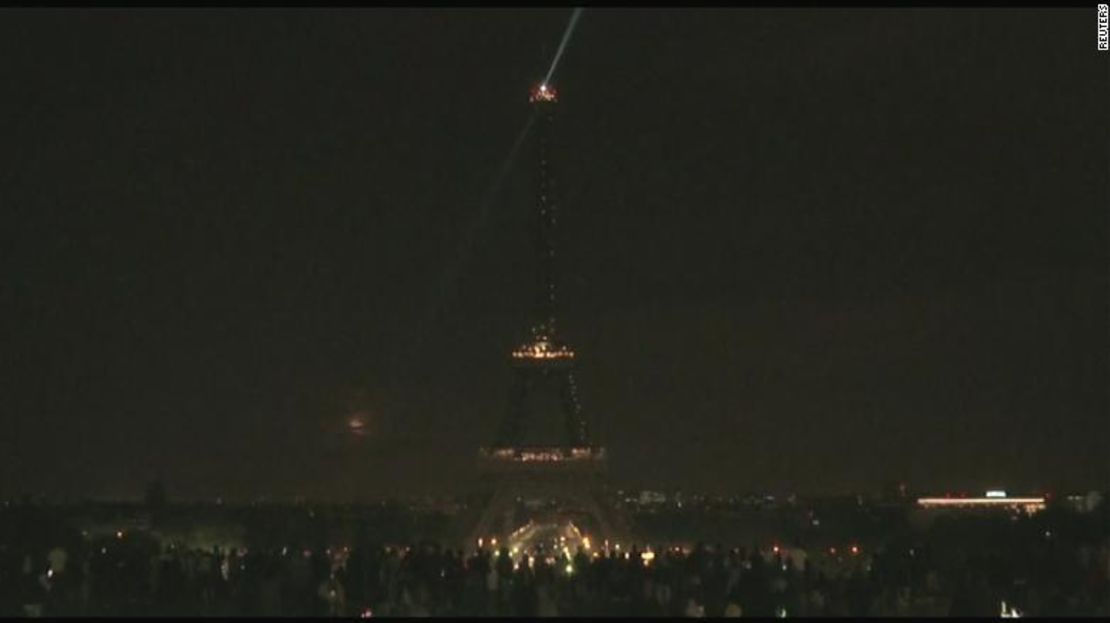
column 543, row 93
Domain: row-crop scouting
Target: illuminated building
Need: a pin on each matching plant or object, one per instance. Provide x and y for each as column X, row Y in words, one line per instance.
column 569, row 470
column 992, row 500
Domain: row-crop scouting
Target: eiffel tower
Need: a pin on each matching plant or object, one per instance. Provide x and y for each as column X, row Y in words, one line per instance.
column 567, row 474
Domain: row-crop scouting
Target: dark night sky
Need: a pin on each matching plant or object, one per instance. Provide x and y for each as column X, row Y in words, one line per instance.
column 801, row 250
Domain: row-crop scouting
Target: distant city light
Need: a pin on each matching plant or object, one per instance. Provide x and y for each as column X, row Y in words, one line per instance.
column 356, row 424
column 996, row 494
column 1029, row 505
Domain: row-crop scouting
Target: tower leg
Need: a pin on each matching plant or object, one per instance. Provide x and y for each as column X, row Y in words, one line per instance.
column 504, row 499
column 576, row 429
column 511, row 427
column 588, row 498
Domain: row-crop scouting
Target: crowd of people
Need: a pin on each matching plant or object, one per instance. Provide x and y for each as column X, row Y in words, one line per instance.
column 1054, row 563
column 131, row 576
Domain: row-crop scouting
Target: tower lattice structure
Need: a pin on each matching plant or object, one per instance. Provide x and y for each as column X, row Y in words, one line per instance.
column 544, row 363
column 570, row 469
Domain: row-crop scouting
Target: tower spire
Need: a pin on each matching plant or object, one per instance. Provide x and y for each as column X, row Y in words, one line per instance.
column 543, row 343
column 543, row 99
